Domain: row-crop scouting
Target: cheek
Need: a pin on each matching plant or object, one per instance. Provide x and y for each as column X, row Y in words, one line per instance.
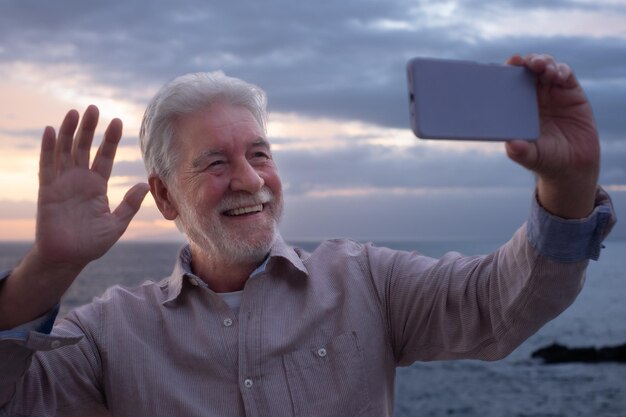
column 272, row 181
column 207, row 193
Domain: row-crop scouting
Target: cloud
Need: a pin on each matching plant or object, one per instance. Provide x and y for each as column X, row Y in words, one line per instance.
column 339, row 59
column 133, row 170
column 17, row 209
column 327, row 63
column 416, row 166
column 21, row 138
column 458, row 213
column 609, row 101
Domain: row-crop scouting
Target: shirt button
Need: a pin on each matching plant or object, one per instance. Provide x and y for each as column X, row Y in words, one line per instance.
column 248, row 383
column 55, row 344
column 321, row 352
column 228, row 322
column 193, row 282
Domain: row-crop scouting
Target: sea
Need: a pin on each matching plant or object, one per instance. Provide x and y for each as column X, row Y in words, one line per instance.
column 517, row 386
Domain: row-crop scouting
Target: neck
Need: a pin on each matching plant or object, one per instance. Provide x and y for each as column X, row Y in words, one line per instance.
column 221, row 274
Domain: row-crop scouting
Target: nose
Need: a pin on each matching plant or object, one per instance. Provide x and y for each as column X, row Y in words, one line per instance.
column 246, row 178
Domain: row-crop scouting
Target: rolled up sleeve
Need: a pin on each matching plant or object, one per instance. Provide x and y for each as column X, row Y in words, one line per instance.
column 18, row 345
column 566, row 240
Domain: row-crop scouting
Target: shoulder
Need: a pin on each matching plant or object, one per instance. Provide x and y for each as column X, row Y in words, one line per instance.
column 341, row 250
column 341, row 247
column 147, row 292
column 333, row 252
column 123, row 300
column 121, row 310
column 343, row 254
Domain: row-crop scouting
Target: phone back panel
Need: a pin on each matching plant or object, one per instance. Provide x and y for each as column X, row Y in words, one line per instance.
column 471, row 101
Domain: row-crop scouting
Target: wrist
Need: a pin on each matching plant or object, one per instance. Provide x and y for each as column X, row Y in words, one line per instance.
column 567, row 199
column 33, row 288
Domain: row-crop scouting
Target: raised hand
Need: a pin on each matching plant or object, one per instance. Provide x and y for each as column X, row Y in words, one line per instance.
column 74, row 222
column 566, row 157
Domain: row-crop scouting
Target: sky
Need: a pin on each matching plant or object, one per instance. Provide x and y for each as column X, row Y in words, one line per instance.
column 334, row 72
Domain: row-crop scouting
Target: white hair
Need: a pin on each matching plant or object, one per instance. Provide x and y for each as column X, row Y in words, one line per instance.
column 187, row 94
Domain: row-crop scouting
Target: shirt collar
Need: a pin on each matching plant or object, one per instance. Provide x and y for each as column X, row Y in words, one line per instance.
column 280, row 250
column 182, row 269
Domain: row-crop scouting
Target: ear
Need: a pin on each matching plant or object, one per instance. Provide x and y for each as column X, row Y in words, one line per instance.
column 162, row 197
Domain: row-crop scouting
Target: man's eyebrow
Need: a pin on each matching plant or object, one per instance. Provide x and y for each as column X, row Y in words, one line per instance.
column 198, row 161
column 261, row 141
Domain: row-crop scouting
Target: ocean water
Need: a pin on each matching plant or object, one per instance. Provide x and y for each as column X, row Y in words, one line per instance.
column 515, row 386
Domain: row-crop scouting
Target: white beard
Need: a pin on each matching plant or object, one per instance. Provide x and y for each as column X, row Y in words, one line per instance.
column 208, row 235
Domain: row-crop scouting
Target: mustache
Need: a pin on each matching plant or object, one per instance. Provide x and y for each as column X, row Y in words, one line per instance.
column 243, row 199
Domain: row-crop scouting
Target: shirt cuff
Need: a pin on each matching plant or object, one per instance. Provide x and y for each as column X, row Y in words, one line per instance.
column 571, row 240
column 42, row 324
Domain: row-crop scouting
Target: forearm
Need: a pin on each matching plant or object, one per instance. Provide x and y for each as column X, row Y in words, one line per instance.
column 550, row 261
column 532, row 289
column 484, row 307
column 33, row 288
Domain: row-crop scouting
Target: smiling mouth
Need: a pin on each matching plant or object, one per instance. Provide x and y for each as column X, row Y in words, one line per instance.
column 244, row 210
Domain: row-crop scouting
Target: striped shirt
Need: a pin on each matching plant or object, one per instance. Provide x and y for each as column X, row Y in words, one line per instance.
column 317, row 334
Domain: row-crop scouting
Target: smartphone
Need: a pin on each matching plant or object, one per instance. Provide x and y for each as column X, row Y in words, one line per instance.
column 463, row 100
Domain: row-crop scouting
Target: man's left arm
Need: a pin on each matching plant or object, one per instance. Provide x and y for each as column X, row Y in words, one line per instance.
column 483, row 307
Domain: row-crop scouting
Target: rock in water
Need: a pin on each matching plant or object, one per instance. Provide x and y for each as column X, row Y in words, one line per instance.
column 556, row 353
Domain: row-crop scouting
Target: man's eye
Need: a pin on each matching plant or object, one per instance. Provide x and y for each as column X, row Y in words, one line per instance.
column 215, row 163
column 261, row 155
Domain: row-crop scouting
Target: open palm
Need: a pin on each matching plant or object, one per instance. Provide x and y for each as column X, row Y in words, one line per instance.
column 74, row 222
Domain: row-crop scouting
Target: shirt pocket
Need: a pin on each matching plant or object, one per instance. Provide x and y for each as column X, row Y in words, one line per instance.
column 329, row 379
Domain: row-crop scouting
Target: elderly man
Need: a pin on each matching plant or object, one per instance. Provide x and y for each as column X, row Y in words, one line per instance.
column 246, row 325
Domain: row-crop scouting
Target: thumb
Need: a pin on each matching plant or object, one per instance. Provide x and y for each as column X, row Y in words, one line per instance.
column 131, row 203
column 523, row 152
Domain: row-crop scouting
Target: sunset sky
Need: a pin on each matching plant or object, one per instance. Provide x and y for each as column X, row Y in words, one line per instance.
column 334, row 72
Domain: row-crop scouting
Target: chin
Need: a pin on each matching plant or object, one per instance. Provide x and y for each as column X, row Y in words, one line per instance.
column 234, row 249
column 249, row 251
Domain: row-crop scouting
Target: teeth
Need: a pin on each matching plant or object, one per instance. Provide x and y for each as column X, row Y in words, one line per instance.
column 244, row 210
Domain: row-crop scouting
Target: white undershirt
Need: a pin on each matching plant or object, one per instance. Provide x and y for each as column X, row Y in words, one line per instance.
column 232, row 299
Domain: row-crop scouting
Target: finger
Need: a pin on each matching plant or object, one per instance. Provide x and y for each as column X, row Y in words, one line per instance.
column 544, row 66
column 47, row 168
column 103, row 161
column 63, row 148
column 84, row 137
column 523, row 152
column 565, row 76
column 130, row 205
column 516, row 60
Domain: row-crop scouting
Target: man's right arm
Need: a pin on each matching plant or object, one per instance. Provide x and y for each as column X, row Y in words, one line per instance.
column 74, row 222
column 32, row 289
column 74, row 227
